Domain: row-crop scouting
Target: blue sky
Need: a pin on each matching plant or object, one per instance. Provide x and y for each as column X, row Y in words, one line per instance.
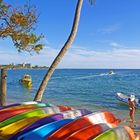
column 108, row 35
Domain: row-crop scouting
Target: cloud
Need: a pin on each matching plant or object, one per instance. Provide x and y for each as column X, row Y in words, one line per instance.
column 114, row 44
column 79, row 57
column 110, row 29
column 116, row 58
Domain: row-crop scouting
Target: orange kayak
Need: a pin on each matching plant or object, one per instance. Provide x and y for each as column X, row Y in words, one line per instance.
column 88, row 132
column 85, row 121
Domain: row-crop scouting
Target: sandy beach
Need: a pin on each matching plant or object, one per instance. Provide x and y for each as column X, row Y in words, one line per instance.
column 125, row 120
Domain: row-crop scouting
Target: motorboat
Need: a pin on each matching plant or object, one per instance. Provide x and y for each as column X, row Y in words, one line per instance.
column 111, row 72
column 26, row 80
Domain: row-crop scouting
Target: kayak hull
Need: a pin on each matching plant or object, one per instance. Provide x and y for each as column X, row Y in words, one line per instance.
column 59, row 116
column 85, row 121
column 118, row 133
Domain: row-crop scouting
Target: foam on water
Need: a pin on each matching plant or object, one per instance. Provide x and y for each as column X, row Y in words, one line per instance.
column 81, row 88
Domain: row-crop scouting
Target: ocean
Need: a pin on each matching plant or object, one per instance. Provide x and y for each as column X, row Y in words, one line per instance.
column 91, row 89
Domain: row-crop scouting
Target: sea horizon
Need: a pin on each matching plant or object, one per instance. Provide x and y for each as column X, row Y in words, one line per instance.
column 90, row 87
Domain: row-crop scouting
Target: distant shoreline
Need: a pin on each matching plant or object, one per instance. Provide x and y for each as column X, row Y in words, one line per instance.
column 46, row 67
column 15, row 68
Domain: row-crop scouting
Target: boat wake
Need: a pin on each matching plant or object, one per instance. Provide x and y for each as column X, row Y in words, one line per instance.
column 91, row 76
column 103, row 74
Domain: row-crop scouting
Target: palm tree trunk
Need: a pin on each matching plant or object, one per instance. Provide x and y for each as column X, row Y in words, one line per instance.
column 62, row 52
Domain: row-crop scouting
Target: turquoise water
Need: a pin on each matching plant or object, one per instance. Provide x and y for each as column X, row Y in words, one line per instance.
column 81, row 88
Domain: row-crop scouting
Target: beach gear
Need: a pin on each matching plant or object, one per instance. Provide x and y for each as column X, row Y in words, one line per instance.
column 85, row 121
column 89, row 132
column 41, row 122
column 35, row 112
column 11, row 107
column 23, row 103
column 14, row 127
column 59, row 116
column 44, row 131
column 118, row 133
column 13, row 111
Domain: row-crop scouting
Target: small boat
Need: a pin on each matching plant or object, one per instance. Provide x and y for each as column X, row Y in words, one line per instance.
column 124, row 98
column 26, row 80
column 111, row 72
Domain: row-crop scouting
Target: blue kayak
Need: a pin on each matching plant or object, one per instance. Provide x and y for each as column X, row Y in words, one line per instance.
column 41, row 133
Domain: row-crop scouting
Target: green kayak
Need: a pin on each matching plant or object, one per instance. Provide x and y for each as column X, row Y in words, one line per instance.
column 118, row 133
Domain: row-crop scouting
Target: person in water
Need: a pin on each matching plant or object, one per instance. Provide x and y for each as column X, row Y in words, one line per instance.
column 131, row 105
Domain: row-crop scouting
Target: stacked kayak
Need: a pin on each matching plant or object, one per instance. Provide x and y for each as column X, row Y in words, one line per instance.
column 43, row 121
column 25, row 103
column 88, row 120
column 119, row 133
column 12, row 111
column 71, row 114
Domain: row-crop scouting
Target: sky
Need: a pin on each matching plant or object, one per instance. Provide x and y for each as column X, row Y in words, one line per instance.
column 108, row 35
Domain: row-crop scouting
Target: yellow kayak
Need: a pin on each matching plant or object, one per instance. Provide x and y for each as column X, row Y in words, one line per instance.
column 11, row 129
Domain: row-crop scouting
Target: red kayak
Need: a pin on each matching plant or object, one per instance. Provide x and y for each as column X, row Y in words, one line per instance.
column 85, row 121
column 88, row 132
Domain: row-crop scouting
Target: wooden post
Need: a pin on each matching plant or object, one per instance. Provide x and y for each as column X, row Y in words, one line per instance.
column 3, row 87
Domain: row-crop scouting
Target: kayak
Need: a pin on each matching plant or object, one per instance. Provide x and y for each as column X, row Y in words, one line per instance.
column 44, row 131
column 18, row 104
column 5, row 115
column 21, row 116
column 88, row 132
column 59, row 116
column 13, row 111
column 124, row 98
column 85, row 121
column 24, row 106
column 12, row 128
column 39, row 111
column 118, row 133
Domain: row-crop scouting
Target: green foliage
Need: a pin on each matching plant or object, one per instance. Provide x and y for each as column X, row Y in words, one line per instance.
column 19, row 24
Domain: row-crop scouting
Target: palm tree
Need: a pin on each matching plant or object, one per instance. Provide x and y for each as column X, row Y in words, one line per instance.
column 62, row 52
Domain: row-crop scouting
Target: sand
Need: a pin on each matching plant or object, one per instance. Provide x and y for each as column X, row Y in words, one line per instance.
column 125, row 120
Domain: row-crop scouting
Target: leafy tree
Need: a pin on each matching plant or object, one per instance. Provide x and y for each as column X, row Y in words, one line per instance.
column 62, row 52
column 18, row 24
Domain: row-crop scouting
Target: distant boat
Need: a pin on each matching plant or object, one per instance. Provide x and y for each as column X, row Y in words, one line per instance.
column 111, row 72
column 26, row 80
